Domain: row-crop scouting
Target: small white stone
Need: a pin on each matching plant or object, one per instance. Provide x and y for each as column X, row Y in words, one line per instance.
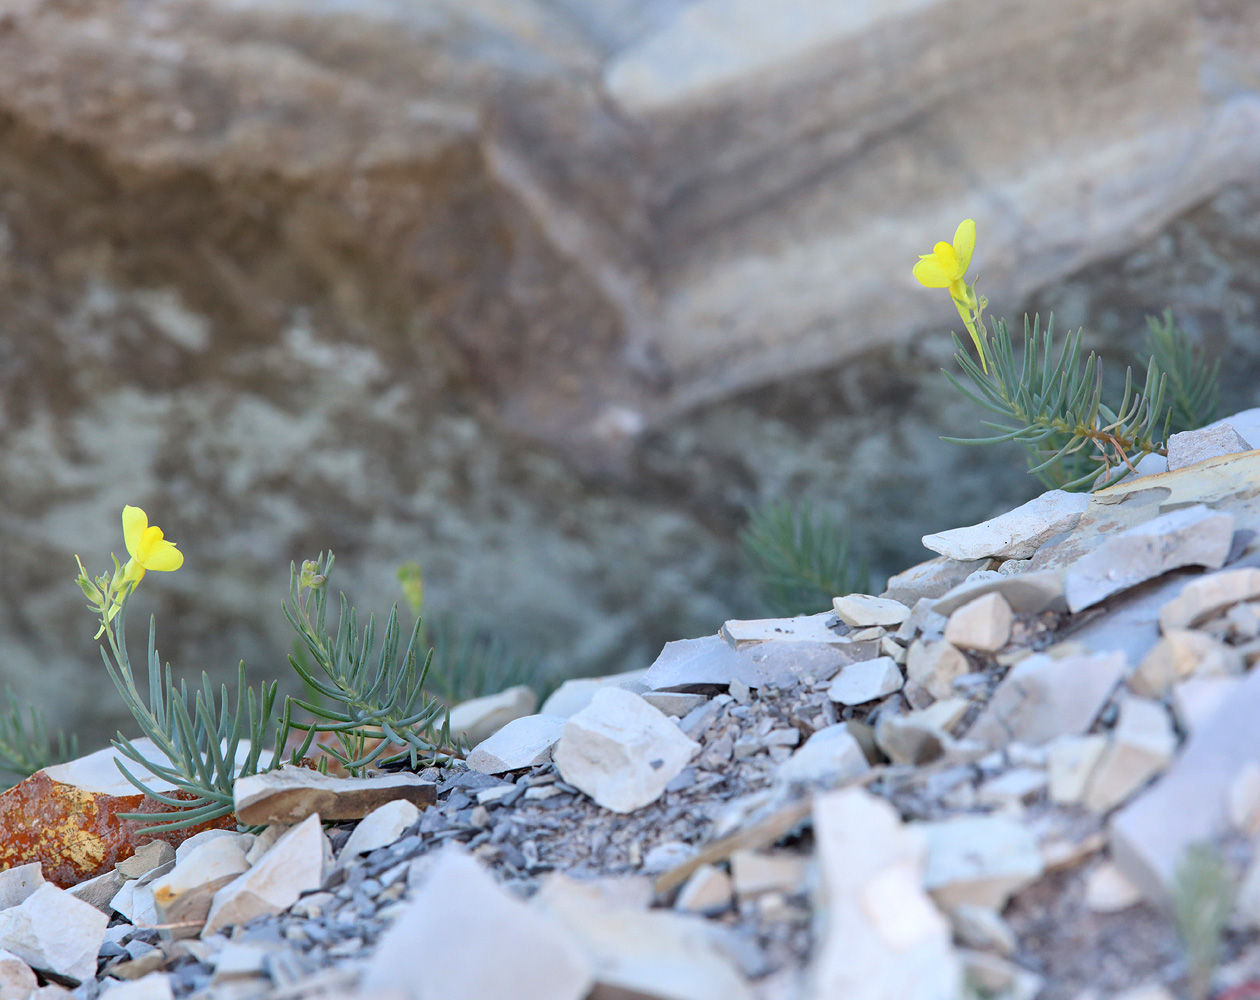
column 861, row 610
column 1141, row 745
column 1070, row 761
column 981, row 860
column 981, row 927
column 523, row 742
column 184, row 895
column 154, row 986
column 576, row 693
column 16, row 977
column 17, row 884
column 866, row 680
column 983, row 624
column 755, row 872
column 1016, row 534
column 53, row 930
column 1196, row 700
column 830, row 757
column 935, row 666
column 1108, row 891
column 740, row 633
column 621, row 751
column 920, row 736
column 1205, row 596
column 481, row 718
column 379, row 828
column 1183, row 653
column 1013, row 787
column 186, row 847
column 707, row 891
column 1191, row 447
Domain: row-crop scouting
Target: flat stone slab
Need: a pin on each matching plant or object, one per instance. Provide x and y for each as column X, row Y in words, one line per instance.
column 1191, row 536
column 291, row 794
column 523, row 742
column 710, row 660
column 862, row 610
column 1027, row 593
column 804, row 628
column 1017, row 534
column 866, row 681
column 1190, row 803
column 1192, row 447
column 930, row 579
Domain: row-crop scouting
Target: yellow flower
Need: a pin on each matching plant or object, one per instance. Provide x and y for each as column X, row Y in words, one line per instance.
column 147, row 546
column 946, row 267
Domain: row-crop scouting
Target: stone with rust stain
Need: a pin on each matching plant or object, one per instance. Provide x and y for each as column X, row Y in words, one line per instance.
column 66, row 817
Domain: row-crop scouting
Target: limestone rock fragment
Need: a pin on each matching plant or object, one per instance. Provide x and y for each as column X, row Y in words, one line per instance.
column 1183, row 653
column 481, row 718
column 983, row 624
column 861, row 610
column 184, row 895
column 17, row 981
column 1017, row 534
column 1139, row 747
column 707, row 891
column 575, row 693
column 866, row 680
column 290, row 794
column 710, row 660
column 16, row 884
column 830, row 757
column 621, row 751
column 979, row 860
column 1204, row 596
column 523, row 742
column 803, row 628
column 935, row 666
column 53, row 931
column 920, row 736
column 1191, row 447
column 456, row 911
column 930, row 579
column 379, row 828
column 1070, row 761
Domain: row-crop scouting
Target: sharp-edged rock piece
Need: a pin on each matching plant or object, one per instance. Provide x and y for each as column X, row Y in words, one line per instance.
column 147, row 857
column 930, row 579
column 493, row 946
column 979, row 860
column 879, row 936
column 1191, row 447
column 804, row 628
column 1028, row 593
column 1189, row 804
column 1141, row 745
column 481, row 718
column 1191, row 536
column 523, row 742
column 867, row 680
column 1108, row 891
column 707, row 891
column 1043, row 697
column 755, row 872
column 1070, row 760
column 676, row 703
column 379, row 828
column 576, row 693
column 653, row 954
column 983, row 624
column 17, row 980
column 710, row 660
column 1180, row 654
column 184, row 895
column 290, row 794
column 921, row 736
column 1204, row 596
column 53, row 931
column 621, row 751
column 830, row 757
column 16, row 884
column 862, row 610
column 1194, row 701
column 100, row 891
column 1017, row 534
column 935, row 666
column 296, row 864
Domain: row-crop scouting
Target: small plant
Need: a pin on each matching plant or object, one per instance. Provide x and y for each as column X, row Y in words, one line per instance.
column 1203, row 899
column 203, row 742
column 801, row 559
column 1053, row 404
column 376, row 707
column 24, row 744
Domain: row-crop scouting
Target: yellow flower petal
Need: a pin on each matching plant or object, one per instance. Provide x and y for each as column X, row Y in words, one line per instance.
column 932, row 272
column 164, row 557
column 964, row 244
column 135, row 523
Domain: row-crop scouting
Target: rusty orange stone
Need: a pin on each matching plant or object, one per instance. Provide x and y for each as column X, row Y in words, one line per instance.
column 72, row 826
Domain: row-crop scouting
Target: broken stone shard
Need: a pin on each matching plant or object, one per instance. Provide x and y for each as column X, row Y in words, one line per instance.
column 1016, row 534
column 830, row 757
column 935, row 666
column 867, row 680
column 184, row 895
column 861, row 610
column 1191, row 447
column 1204, row 596
column 1043, row 697
column 1141, row 745
column 456, row 912
column 1180, row 654
column 983, row 624
column 16, row 884
column 1191, row 536
column 523, row 742
column 1028, row 593
column 575, row 693
column 804, row 628
column 979, row 860
column 687, row 663
column 53, row 931
column 707, row 891
column 290, row 794
column 621, row 751
column 921, row 736
column 379, row 828
column 481, row 718
column 930, row 579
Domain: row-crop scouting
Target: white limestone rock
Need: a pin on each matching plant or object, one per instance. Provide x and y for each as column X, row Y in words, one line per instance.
column 675, row 703
column 100, row 891
column 481, row 718
column 1190, row 536
column 979, row 860
column 1108, row 891
column 492, row 946
column 707, row 891
column 523, row 742
column 19, row 882
column 983, row 624
column 878, row 935
column 1190, row 802
column 867, row 680
column 642, row 953
column 621, row 751
column 296, row 864
column 1070, row 761
column 757, row 872
column 1183, row 653
column 804, row 628
column 862, row 610
column 153, row 986
column 930, row 579
column 1016, row 534
column 830, row 757
column 1042, row 697
column 1028, row 593
column 686, row 663
column 1140, row 746
column 1194, row 701
column 291, row 794
column 53, row 931
column 1205, row 596
column 17, row 980
column 935, row 666
column 379, row 828
column 147, row 858
column 1191, row 447
column 921, row 736
column 980, row 927
column 135, row 902
column 575, row 693
column 197, row 839
column 184, row 895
